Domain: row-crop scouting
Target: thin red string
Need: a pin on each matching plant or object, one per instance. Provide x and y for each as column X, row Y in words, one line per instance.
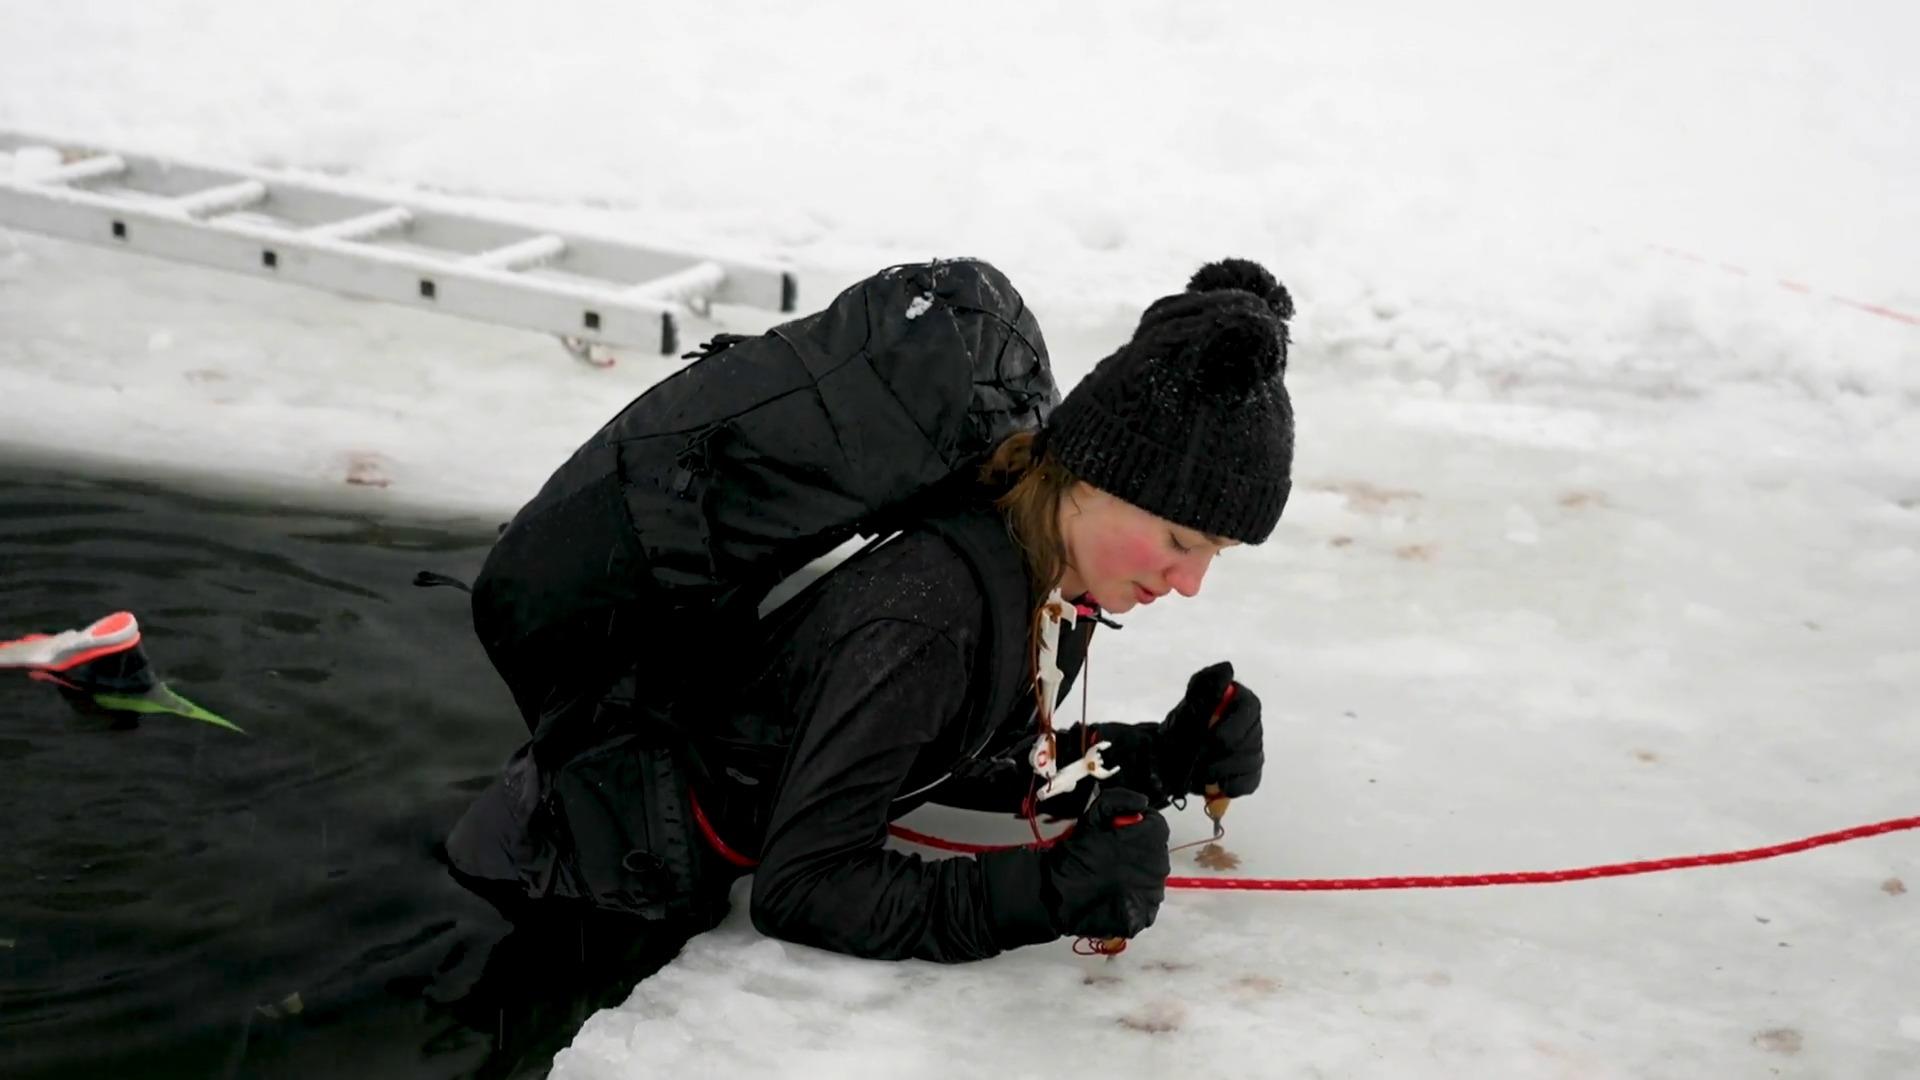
column 1456, row 881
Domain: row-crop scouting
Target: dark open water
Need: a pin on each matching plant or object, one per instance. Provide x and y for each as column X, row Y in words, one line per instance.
column 167, row 887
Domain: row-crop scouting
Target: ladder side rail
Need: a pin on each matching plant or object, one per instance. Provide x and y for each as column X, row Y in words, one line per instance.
column 151, row 179
column 430, row 283
column 621, row 266
column 311, row 201
column 745, row 283
column 501, row 297
column 302, row 201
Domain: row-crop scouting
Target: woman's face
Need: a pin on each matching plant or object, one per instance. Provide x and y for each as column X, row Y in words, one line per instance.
column 1121, row 555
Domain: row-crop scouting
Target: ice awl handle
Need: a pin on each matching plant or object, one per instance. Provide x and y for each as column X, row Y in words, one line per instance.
column 1114, row 946
column 1217, row 803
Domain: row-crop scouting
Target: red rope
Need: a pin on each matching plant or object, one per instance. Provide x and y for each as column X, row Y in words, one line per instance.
column 914, row 836
column 1791, row 286
column 1529, row 877
column 712, row 836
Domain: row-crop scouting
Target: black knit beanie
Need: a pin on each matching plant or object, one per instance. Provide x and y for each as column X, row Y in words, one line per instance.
column 1189, row 420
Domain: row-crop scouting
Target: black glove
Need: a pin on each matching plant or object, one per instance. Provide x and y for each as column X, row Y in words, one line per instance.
column 1107, row 880
column 1187, row 751
column 1194, row 752
column 1134, row 755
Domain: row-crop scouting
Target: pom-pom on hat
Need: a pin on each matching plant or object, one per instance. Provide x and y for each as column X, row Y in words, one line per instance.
column 1190, row 420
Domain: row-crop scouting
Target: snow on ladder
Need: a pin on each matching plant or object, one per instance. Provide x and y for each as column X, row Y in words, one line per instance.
column 587, row 291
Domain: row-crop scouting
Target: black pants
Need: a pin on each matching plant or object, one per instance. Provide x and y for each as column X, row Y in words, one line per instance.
column 561, row 962
column 564, row 957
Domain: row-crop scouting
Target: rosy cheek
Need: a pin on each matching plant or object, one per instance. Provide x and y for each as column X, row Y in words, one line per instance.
column 1129, row 558
column 1148, row 556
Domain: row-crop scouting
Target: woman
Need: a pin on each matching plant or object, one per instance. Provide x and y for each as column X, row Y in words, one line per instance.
column 859, row 700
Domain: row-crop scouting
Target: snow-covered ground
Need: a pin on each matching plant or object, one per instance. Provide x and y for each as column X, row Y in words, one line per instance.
column 1597, row 553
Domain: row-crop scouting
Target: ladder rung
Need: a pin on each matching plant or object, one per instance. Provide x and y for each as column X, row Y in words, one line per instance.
column 519, row 256
column 365, row 226
column 696, row 282
column 93, row 168
column 224, row 199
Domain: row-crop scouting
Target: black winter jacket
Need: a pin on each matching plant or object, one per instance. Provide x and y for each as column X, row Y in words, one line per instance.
column 858, row 704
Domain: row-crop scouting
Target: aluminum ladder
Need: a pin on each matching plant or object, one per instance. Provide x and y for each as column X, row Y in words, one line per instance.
column 593, row 294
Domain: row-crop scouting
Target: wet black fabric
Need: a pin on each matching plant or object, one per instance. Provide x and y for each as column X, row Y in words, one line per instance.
column 603, row 818
column 662, row 531
column 638, row 569
column 861, row 706
column 599, row 806
column 895, row 680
